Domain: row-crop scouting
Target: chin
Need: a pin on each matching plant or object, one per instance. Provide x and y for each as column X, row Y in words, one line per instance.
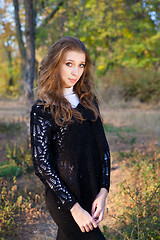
column 71, row 84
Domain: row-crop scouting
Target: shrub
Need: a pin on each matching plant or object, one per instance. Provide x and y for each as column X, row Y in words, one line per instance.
column 9, row 169
column 130, row 83
column 16, row 204
column 10, row 128
column 19, row 159
column 138, row 198
column 11, row 205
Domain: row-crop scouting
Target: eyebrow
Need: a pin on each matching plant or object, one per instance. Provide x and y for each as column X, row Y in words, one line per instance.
column 72, row 60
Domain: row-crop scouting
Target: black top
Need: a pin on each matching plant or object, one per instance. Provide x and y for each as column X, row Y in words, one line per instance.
column 65, row 157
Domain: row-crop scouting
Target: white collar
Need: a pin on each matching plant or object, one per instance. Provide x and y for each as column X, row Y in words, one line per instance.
column 68, row 91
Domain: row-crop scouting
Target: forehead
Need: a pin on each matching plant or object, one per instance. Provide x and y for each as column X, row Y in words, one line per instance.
column 75, row 56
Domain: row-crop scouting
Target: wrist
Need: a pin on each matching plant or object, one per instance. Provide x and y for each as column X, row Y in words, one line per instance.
column 104, row 191
column 75, row 207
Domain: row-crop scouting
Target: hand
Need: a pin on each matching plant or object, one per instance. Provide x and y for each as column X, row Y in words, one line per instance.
column 84, row 220
column 98, row 206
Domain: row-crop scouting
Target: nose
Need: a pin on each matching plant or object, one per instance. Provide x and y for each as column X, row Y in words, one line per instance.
column 75, row 71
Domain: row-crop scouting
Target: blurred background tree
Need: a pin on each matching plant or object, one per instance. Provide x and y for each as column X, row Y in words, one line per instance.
column 122, row 37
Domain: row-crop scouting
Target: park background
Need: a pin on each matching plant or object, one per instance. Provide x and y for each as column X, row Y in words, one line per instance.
column 123, row 39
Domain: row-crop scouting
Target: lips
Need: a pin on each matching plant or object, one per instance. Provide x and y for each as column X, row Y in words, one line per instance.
column 72, row 80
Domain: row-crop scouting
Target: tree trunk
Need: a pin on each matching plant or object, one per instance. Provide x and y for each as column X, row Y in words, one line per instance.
column 20, row 43
column 27, row 51
column 28, row 54
column 18, row 29
column 30, row 48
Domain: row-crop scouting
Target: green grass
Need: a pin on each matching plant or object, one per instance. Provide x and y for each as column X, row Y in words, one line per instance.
column 112, row 129
column 11, row 128
column 8, row 169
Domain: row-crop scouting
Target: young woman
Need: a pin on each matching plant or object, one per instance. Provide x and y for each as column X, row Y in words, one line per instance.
column 69, row 148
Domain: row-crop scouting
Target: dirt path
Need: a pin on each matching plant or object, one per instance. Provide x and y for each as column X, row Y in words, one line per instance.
column 12, row 111
column 132, row 127
column 41, row 229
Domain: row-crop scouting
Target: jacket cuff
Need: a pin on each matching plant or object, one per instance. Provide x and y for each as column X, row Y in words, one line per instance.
column 105, row 186
column 70, row 204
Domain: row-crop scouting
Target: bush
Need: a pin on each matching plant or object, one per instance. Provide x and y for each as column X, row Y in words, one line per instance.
column 17, row 204
column 19, row 160
column 138, row 198
column 131, row 83
column 11, row 205
column 11, row 128
column 9, row 169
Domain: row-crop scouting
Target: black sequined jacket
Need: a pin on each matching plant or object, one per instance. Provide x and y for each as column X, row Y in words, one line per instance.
column 62, row 156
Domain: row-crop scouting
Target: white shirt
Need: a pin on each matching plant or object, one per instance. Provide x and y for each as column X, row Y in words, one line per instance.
column 71, row 96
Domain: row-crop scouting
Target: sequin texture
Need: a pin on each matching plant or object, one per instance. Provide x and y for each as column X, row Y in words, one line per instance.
column 40, row 138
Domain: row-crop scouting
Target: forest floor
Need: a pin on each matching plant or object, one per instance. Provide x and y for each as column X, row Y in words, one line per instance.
column 126, row 127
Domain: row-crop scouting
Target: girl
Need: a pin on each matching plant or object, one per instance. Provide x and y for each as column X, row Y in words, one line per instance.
column 69, row 148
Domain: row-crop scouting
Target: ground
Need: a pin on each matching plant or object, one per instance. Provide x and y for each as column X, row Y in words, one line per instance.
column 126, row 127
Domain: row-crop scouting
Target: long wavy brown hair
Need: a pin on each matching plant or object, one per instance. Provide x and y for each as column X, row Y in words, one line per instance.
column 50, row 85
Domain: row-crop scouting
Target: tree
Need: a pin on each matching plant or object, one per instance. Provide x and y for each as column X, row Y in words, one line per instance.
column 30, row 47
column 27, row 49
column 117, row 33
column 9, row 59
column 28, row 53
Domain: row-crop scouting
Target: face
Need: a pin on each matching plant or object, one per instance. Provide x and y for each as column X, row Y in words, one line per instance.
column 72, row 67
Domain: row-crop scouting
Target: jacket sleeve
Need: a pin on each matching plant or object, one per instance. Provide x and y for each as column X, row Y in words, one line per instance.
column 41, row 136
column 104, row 152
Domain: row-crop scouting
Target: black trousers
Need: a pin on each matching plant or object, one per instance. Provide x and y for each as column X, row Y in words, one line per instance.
column 68, row 229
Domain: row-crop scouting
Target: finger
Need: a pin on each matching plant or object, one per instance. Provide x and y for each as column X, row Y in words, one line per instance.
column 82, row 229
column 94, row 223
column 101, row 215
column 90, row 226
column 96, row 213
column 93, row 208
column 100, row 218
column 86, row 228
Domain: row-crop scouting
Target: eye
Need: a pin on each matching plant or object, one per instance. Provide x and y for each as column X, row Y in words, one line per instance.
column 82, row 65
column 69, row 64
